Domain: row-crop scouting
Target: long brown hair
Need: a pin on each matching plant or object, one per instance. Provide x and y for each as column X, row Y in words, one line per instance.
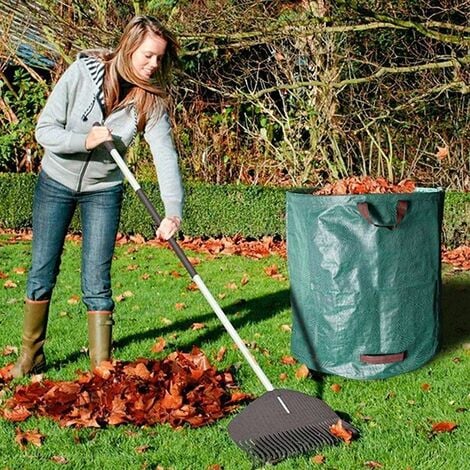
column 148, row 96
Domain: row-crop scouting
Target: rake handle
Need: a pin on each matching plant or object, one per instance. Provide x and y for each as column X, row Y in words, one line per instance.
column 110, row 147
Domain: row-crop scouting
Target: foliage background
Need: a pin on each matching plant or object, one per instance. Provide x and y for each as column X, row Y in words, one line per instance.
column 274, row 92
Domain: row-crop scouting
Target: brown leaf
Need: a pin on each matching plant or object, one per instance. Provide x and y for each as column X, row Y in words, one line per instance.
column 9, row 284
column 425, row 387
column 74, row 299
column 171, row 401
column 288, row 360
column 286, row 328
column 245, row 279
column 442, row 152
column 318, row 459
column 132, row 267
column 59, row 459
column 17, row 414
column 104, row 369
column 125, row 295
column 28, row 437
column 221, row 353
column 8, row 350
column 372, row 464
column 302, row 372
column 5, row 372
column 336, row 388
column 271, row 270
column 198, row 326
column 443, row 426
column 142, row 449
column 19, row 270
column 192, row 287
column 159, row 345
column 180, row 306
column 231, row 285
column 3, row 275
column 339, row 431
column 138, row 239
column 283, row 376
column 139, row 370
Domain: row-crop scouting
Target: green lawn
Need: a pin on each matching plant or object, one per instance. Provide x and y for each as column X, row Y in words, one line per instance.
column 395, row 416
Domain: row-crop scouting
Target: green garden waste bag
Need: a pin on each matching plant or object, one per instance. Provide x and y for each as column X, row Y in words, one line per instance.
column 365, row 275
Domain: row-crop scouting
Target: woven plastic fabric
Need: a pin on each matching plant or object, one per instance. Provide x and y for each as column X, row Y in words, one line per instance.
column 365, row 278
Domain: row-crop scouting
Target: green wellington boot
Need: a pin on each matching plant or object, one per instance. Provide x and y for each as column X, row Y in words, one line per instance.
column 32, row 359
column 100, row 328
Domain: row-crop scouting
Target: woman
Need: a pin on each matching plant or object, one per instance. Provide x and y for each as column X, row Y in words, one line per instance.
column 124, row 90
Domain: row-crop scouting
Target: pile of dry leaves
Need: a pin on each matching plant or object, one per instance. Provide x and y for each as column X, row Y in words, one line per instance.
column 181, row 389
column 459, row 258
column 365, row 185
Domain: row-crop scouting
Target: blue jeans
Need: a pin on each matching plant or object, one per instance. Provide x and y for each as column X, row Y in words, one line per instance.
column 53, row 208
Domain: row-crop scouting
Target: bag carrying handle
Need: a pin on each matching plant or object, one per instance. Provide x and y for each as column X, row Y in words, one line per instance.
column 402, row 207
column 382, row 358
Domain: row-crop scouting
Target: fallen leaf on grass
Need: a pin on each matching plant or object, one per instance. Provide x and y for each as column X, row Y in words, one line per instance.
column 10, row 284
column 459, row 257
column 425, row 387
column 142, row 449
column 124, row 295
column 289, row 360
column 336, row 388
column 339, row 431
column 28, row 437
column 5, row 373
column 302, row 372
column 443, row 426
column 17, row 415
column 286, row 328
column 221, row 353
column 3, row 275
column 283, row 376
column 373, row 464
column 231, row 285
column 159, row 345
column 74, row 299
column 19, row 270
column 318, row 459
column 8, row 350
column 245, row 279
column 198, row 326
column 180, row 306
column 59, row 459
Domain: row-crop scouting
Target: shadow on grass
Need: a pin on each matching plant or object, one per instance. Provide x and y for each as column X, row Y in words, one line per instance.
column 455, row 309
column 254, row 311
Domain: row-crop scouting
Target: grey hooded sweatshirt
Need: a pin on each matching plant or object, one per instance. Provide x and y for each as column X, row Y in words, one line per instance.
column 74, row 105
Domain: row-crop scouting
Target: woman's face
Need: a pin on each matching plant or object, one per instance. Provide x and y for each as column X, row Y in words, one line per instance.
column 147, row 57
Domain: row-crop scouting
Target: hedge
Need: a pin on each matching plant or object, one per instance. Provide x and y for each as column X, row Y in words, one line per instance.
column 210, row 210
